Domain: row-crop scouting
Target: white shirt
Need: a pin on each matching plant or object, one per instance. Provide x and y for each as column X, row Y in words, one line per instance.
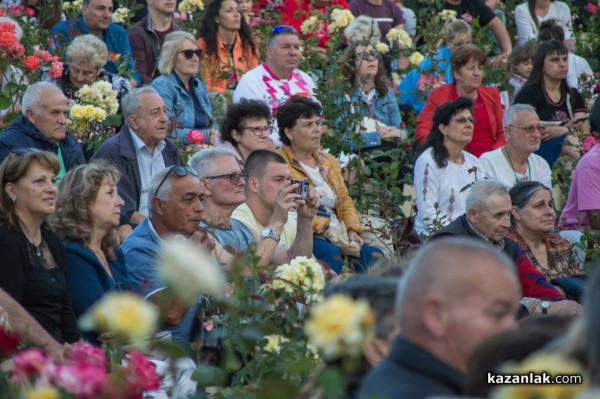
column 526, row 28
column 327, row 197
column 577, row 66
column 150, row 165
column 496, row 167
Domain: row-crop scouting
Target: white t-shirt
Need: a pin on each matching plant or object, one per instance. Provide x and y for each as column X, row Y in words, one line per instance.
column 526, row 26
column 496, row 167
column 327, row 197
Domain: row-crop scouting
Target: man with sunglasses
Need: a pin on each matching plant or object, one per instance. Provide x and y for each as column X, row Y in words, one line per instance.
column 223, row 185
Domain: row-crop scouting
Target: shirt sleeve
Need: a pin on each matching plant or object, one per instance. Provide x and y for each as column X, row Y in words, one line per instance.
column 485, row 13
column 588, row 189
column 426, row 190
column 524, row 23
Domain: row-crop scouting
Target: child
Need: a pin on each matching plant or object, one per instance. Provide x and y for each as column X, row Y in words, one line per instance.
column 519, row 66
column 246, row 9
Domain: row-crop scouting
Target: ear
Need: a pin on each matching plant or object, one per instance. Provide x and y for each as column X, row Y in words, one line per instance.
column 472, row 214
column 204, row 186
column 253, row 184
column 515, row 213
column 434, row 317
column 455, row 74
column 157, row 206
column 132, row 119
column 30, row 116
column 235, row 135
column 442, row 128
column 9, row 188
column 287, row 133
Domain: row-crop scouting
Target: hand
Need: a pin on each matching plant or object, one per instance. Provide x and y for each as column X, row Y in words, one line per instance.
column 549, row 132
column 123, row 232
column 285, row 201
column 353, row 236
column 389, row 131
column 308, row 208
column 566, row 308
column 112, row 338
column 202, row 238
column 498, row 60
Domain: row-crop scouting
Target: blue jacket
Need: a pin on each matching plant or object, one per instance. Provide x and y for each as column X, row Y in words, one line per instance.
column 22, row 134
column 180, row 105
column 115, row 38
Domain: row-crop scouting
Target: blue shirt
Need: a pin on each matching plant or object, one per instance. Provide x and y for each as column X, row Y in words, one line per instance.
column 115, row 38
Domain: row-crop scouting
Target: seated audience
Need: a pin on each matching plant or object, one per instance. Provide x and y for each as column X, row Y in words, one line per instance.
column 33, row 266
column 88, row 210
column 533, row 218
column 467, row 69
column 488, row 219
column 530, row 14
column 299, row 123
column 516, row 161
column 519, row 66
column 185, row 96
column 228, row 49
column 442, row 308
column 444, row 169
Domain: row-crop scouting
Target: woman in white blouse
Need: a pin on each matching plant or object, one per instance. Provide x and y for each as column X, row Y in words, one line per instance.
column 444, row 171
column 530, row 15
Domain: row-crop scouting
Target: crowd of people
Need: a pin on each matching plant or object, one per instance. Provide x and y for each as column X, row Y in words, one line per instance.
column 79, row 221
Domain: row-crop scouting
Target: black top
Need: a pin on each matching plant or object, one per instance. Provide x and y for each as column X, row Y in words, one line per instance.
column 475, row 8
column 40, row 287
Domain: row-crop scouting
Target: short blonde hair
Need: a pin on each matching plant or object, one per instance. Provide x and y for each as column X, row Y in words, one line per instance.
column 168, row 52
column 88, row 49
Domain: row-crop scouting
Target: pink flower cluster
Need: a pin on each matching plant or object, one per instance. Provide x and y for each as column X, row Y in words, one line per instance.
column 9, row 44
column 427, row 83
column 591, row 7
column 42, row 57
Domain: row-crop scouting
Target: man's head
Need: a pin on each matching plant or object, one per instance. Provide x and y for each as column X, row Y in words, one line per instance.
column 522, row 128
column 283, row 50
column 489, row 208
column 162, row 7
column 46, row 107
column 175, row 201
column 97, row 15
column 455, row 293
column 145, row 113
column 267, row 173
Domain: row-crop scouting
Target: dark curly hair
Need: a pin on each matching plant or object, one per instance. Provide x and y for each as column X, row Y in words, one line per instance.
column 293, row 109
column 239, row 113
column 209, row 30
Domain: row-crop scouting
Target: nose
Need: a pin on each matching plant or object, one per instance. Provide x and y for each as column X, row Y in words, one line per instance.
column 506, row 221
column 120, row 201
column 198, row 206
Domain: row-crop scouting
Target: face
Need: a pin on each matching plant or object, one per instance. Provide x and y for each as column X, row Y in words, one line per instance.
column 366, row 62
column 493, row 222
column 284, row 52
column 35, row 192
column 274, row 177
column 51, row 118
column 469, row 76
column 460, row 128
column 183, row 211
column 97, row 14
column 221, row 190
column 186, row 68
column 524, row 135
column 166, row 7
column 105, row 211
column 230, row 17
column 82, row 73
column 523, row 69
column 150, row 120
column 556, row 66
column 538, row 215
column 253, row 135
column 245, row 6
column 305, row 135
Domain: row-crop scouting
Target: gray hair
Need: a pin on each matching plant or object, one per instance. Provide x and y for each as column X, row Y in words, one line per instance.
column 89, row 49
column 453, row 28
column 33, row 94
column 511, row 114
column 363, row 29
column 169, row 49
column 165, row 189
column 18, row 30
column 202, row 161
column 131, row 101
column 481, row 191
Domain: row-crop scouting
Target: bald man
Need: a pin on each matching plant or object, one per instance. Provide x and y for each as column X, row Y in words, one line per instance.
column 455, row 293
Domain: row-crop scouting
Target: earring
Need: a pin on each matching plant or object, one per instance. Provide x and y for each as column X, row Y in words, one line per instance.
column 13, row 199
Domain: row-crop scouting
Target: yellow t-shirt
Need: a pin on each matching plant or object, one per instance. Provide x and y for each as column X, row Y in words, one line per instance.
column 288, row 235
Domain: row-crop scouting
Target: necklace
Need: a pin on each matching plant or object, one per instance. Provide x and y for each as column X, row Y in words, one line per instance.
column 102, row 258
column 38, row 248
column 459, row 160
column 512, row 167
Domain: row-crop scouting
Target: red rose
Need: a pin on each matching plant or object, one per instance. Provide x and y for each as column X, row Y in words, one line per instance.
column 7, row 39
column 32, row 62
column 46, row 56
column 591, row 7
column 56, row 70
column 16, row 51
column 195, row 136
column 9, row 342
column 30, row 12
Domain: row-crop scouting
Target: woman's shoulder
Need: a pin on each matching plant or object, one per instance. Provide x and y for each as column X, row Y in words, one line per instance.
column 163, row 81
column 8, row 235
column 523, row 7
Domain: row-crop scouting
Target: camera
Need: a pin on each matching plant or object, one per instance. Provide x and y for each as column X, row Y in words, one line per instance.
column 303, row 187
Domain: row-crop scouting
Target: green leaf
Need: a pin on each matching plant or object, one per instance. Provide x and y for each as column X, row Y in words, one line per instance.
column 5, row 101
column 333, row 383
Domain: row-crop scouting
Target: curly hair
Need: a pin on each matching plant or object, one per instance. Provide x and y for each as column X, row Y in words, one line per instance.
column 293, row 109
column 88, row 49
column 77, row 192
column 348, row 70
column 239, row 113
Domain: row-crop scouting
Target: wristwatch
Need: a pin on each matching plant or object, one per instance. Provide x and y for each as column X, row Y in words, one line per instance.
column 269, row 233
column 545, row 306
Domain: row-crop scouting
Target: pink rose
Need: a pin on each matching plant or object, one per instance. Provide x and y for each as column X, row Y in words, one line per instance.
column 195, row 136
column 15, row 11
column 56, row 70
column 183, row 16
column 7, row 27
column 46, row 56
column 30, row 12
column 81, row 379
column 9, row 342
column 83, row 352
column 591, row 7
column 28, row 363
column 32, row 62
column 467, row 18
column 141, row 373
column 16, row 51
column 7, row 39
column 587, row 143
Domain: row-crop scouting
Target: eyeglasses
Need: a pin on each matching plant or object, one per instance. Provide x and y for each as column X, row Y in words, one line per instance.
column 76, row 72
column 463, row 119
column 365, row 55
column 529, row 129
column 259, row 130
column 180, row 171
column 234, row 178
column 189, row 53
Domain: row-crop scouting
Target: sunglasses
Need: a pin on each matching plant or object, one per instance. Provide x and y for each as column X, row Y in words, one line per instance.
column 234, row 178
column 365, row 55
column 180, row 171
column 259, row 130
column 189, row 53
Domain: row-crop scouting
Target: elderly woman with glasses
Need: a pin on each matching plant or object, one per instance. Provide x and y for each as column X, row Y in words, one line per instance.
column 88, row 211
column 185, row 96
column 32, row 265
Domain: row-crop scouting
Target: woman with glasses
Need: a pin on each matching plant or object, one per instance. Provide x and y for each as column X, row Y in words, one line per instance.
column 444, row 170
column 228, row 49
column 88, row 211
column 246, row 128
column 185, row 96
column 32, row 265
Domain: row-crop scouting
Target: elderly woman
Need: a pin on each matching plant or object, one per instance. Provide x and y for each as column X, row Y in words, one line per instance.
column 444, row 168
column 467, row 69
column 530, row 15
column 533, row 218
column 88, row 211
column 32, row 265
column 185, row 96
column 228, row 49
column 299, row 121
column 246, row 128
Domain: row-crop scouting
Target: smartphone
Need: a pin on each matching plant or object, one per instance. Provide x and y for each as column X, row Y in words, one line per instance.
column 303, row 187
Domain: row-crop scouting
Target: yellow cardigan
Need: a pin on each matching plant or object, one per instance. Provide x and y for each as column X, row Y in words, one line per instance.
column 331, row 171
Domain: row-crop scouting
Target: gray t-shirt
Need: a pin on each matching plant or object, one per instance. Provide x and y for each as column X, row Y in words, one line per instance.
column 237, row 236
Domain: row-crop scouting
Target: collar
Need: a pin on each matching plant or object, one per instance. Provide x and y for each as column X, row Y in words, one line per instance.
column 193, row 82
column 152, row 231
column 272, row 75
column 498, row 245
column 138, row 144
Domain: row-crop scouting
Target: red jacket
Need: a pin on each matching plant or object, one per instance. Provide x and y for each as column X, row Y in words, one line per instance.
column 441, row 95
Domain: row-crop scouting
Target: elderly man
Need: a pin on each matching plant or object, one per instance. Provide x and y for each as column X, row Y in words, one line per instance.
column 516, row 161
column 95, row 18
column 488, row 219
column 455, row 293
column 223, row 186
column 140, row 151
column 43, row 126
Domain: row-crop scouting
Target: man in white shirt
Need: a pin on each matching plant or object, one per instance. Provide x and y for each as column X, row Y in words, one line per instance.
column 516, row 161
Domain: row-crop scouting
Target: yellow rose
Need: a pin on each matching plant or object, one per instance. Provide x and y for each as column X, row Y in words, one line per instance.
column 66, row 5
column 382, row 47
column 445, row 14
column 274, row 342
column 311, row 25
column 43, row 393
column 341, row 18
column 182, row 7
column 416, row 58
column 76, row 112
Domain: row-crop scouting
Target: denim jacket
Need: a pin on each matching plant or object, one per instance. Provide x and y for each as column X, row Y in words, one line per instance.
column 180, row 104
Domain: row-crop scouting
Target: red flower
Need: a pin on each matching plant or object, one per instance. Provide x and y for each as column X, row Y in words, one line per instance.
column 15, row 11
column 30, row 12
column 56, row 70
column 32, row 62
column 588, row 143
column 9, row 342
column 7, row 27
column 82, row 352
column 28, row 363
column 16, row 51
column 7, row 39
column 46, row 56
column 591, row 7
column 141, row 374
column 597, row 89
